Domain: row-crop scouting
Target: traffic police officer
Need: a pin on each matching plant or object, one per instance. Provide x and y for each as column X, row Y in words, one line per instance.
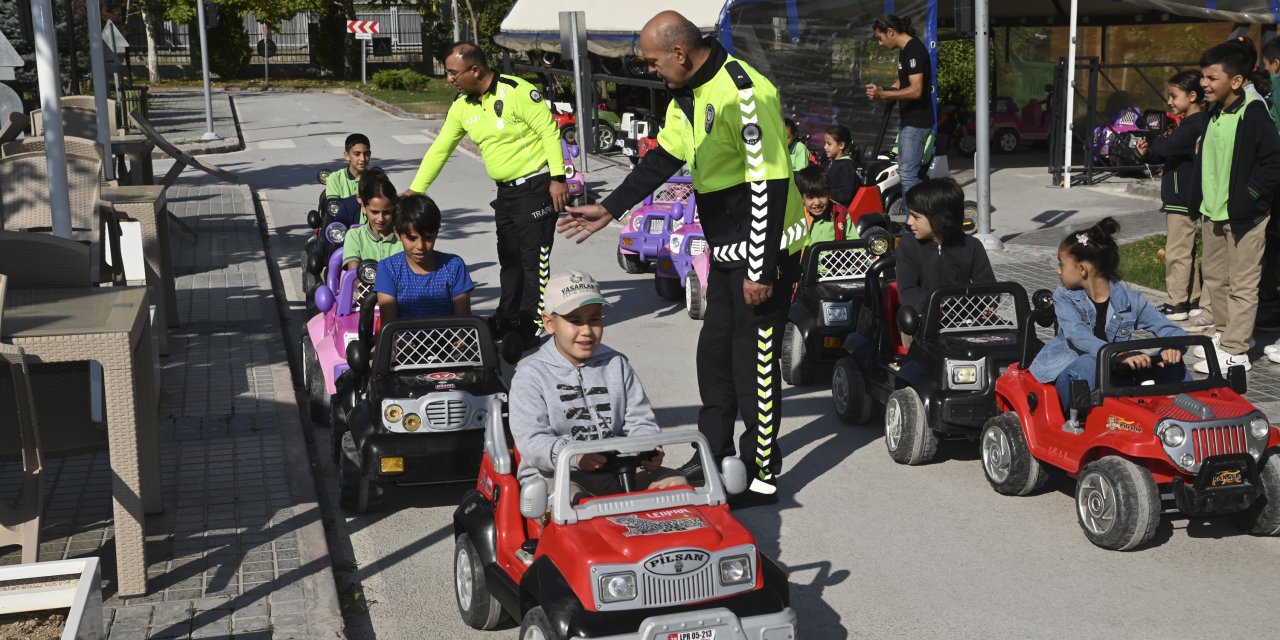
column 506, row 118
column 725, row 121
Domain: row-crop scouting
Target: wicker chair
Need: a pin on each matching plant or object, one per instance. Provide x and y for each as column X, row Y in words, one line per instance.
column 13, row 127
column 79, row 118
column 44, row 261
column 20, row 520
column 35, row 144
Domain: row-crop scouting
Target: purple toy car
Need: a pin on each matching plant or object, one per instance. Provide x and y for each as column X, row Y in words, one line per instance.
column 651, row 224
column 324, row 346
column 681, row 267
column 576, row 180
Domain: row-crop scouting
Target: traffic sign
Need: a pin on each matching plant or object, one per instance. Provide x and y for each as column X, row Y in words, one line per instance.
column 363, row 28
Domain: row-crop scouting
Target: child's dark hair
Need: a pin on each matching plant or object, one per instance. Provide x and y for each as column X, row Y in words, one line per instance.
column 1097, row 246
column 841, row 133
column 1189, row 83
column 375, row 184
column 1271, row 49
column 1232, row 56
column 889, row 21
column 941, row 201
column 355, row 139
column 792, row 127
column 418, row 213
column 812, row 182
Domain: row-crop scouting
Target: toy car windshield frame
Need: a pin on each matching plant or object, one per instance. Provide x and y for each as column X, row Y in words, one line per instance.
column 845, row 260
column 976, row 308
column 564, row 512
column 434, row 343
column 686, row 188
column 1108, row 389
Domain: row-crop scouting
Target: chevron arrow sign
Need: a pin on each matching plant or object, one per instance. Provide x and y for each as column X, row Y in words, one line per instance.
column 363, row 29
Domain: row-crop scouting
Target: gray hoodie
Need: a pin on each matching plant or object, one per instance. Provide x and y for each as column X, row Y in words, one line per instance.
column 554, row 402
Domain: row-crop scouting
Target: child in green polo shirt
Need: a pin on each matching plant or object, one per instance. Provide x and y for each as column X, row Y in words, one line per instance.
column 376, row 239
column 1239, row 169
column 824, row 215
column 344, row 183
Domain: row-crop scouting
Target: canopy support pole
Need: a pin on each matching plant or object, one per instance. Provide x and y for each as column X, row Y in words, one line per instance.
column 55, row 150
column 204, row 68
column 99, row 72
column 1069, row 100
column 982, row 91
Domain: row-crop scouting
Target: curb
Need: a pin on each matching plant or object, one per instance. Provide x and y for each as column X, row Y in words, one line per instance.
column 204, row 149
column 324, row 615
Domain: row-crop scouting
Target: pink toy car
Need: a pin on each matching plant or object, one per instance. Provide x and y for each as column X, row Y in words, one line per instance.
column 324, row 345
column 651, row 224
column 1011, row 126
column 681, row 268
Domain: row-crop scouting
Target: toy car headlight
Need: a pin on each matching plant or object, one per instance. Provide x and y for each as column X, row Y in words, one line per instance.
column 336, row 232
column 1258, row 428
column 333, row 206
column 676, row 223
column 878, row 245
column 835, row 314
column 673, row 243
column 964, row 374
column 368, row 271
column 569, row 170
column 735, row 570
column 618, row 587
column 393, row 413
column 412, row 422
column 1172, row 434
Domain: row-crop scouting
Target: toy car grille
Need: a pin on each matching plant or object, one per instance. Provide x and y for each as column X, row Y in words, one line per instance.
column 362, row 289
column 697, row 247
column 673, row 192
column 986, row 311
column 656, row 224
column 844, row 264
column 446, row 414
column 434, row 348
column 663, row 590
column 1207, row 442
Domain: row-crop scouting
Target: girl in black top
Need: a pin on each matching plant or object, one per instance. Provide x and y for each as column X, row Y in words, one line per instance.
column 842, row 164
column 935, row 251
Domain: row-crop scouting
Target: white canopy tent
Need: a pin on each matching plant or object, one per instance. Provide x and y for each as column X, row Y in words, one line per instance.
column 614, row 27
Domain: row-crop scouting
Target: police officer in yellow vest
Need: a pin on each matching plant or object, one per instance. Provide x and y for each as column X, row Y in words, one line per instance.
column 725, row 121
column 506, row 117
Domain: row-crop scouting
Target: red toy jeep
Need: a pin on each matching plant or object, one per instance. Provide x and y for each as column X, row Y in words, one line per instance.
column 665, row 564
column 1199, row 442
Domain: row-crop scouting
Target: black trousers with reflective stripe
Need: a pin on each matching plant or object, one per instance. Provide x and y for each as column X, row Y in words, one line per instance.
column 739, row 355
column 526, row 223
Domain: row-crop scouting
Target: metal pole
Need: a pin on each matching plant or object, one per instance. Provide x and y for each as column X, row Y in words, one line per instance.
column 204, row 67
column 55, row 151
column 364, row 59
column 982, row 159
column 1069, row 100
column 266, row 56
column 99, row 71
column 457, row 23
column 71, row 44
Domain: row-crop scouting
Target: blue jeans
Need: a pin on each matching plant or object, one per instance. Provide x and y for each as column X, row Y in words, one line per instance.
column 911, row 141
column 1085, row 368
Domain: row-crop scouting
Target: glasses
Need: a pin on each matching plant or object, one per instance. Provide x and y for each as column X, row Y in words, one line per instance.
column 453, row 74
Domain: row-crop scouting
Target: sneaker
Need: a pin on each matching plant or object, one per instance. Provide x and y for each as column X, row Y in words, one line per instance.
column 1225, row 361
column 1197, row 323
column 692, row 470
column 760, row 493
column 1175, row 311
column 1195, row 311
column 1197, row 351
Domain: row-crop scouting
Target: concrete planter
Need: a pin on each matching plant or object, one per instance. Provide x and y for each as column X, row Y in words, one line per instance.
column 76, row 584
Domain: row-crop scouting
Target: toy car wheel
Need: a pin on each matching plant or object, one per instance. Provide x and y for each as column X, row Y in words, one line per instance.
column 693, row 302
column 1117, row 503
column 309, row 282
column 605, row 138
column 356, row 494
column 908, row 438
column 797, row 366
column 1262, row 518
column 479, row 609
column 536, row 626
column 667, row 288
column 898, row 209
column 569, row 134
column 849, row 392
column 1006, row 459
column 968, row 145
column 313, row 382
column 1007, row 140
column 629, row 262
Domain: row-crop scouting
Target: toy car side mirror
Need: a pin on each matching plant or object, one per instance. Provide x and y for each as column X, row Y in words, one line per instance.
column 314, row 219
column 1042, row 299
column 512, row 348
column 1081, row 396
column 358, row 357
column 533, row 498
column 315, row 264
column 323, row 298
column 322, row 176
column 908, row 320
column 733, row 472
column 1236, row 379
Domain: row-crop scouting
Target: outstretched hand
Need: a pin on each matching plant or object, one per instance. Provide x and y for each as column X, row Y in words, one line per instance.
column 583, row 221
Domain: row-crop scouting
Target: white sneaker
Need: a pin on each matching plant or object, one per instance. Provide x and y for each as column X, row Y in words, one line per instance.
column 1272, row 348
column 1225, row 361
column 1197, row 351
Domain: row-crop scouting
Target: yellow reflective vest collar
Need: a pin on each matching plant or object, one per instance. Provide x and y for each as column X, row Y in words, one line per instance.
column 510, row 123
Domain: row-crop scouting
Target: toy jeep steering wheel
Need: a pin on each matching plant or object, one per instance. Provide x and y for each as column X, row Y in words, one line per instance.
column 625, row 466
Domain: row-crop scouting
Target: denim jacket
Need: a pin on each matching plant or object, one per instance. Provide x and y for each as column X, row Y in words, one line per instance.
column 1127, row 311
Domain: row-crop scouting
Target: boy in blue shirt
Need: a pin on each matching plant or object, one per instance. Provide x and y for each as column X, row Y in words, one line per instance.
column 421, row 282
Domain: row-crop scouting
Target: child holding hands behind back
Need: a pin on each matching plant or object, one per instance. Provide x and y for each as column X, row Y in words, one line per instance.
column 1095, row 308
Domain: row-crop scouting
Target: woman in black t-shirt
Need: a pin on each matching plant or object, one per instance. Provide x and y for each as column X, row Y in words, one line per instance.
column 913, row 90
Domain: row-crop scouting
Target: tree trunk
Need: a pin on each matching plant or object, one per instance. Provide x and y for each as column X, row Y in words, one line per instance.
column 475, row 25
column 151, row 24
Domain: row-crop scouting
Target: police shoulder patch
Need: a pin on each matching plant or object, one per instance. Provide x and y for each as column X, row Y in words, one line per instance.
column 497, row 108
column 751, row 133
column 535, row 96
column 711, row 117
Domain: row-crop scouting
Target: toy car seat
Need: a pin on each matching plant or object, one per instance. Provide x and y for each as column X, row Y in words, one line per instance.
column 1031, row 115
column 890, row 302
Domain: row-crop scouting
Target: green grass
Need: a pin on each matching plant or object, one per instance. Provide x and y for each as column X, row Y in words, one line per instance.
column 436, row 98
column 1142, row 261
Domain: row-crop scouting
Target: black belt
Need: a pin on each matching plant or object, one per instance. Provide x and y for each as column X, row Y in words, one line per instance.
column 519, row 181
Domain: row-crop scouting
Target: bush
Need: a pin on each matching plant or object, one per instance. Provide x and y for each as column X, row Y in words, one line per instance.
column 400, row 79
column 228, row 53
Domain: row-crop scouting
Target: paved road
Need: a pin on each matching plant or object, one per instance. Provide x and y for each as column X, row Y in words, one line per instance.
column 873, row 549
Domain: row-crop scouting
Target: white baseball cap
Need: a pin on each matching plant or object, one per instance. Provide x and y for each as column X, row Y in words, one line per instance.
column 568, row 292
